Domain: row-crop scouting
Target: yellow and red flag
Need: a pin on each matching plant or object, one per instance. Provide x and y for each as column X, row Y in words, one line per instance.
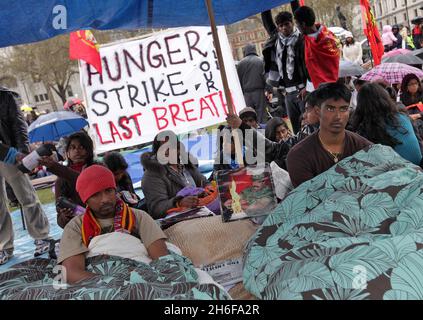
column 83, row 46
column 372, row 32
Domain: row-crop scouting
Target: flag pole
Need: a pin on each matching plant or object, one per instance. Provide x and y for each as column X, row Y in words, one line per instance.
column 220, row 57
column 370, row 52
column 84, row 94
column 238, row 148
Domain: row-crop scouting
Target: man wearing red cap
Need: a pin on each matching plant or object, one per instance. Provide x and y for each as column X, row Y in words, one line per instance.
column 105, row 213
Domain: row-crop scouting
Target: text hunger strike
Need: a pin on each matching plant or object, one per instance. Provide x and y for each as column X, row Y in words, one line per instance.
column 149, row 56
column 124, row 128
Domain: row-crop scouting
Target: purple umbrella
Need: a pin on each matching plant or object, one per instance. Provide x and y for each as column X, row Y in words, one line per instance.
column 391, row 72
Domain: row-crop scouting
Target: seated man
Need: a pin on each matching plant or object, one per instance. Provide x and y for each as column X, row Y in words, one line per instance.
column 277, row 151
column 105, row 213
column 249, row 117
column 331, row 143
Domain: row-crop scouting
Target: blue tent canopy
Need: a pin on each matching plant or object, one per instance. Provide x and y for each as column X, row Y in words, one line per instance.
column 24, row 21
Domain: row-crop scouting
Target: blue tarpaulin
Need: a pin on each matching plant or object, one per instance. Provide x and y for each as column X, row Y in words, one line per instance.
column 202, row 147
column 24, row 21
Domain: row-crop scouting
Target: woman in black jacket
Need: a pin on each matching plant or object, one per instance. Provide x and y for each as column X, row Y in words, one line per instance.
column 168, row 169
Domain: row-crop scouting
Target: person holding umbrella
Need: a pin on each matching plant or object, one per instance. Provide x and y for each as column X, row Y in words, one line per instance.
column 13, row 132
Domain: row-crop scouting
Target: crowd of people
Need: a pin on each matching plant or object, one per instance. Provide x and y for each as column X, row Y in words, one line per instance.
column 94, row 197
column 400, row 37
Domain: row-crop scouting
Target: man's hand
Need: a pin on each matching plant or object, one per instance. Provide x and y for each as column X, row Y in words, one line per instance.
column 302, row 94
column 19, row 157
column 415, row 116
column 67, row 212
column 75, row 269
column 189, row 202
column 157, row 249
column 233, row 121
column 46, row 161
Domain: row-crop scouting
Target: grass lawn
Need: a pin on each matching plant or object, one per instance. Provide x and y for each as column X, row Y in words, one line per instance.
column 45, row 196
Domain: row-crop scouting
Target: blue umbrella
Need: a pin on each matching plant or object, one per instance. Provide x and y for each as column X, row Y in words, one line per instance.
column 54, row 125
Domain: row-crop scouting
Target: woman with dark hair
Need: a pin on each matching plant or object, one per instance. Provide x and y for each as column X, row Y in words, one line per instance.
column 124, row 185
column 379, row 119
column 411, row 90
column 80, row 155
column 118, row 165
column 277, row 130
column 168, row 169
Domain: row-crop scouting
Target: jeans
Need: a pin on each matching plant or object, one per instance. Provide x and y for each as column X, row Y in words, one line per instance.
column 295, row 108
column 35, row 218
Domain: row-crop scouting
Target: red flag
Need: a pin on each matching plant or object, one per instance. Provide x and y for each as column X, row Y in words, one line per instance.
column 83, row 46
column 322, row 57
column 301, row 3
column 372, row 32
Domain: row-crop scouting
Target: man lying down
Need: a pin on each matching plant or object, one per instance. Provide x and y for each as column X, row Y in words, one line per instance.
column 106, row 216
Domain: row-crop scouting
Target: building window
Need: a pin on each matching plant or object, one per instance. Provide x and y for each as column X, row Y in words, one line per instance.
column 395, row 20
column 416, row 12
column 41, row 97
column 70, row 93
column 380, row 8
column 46, row 96
column 395, row 4
column 405, row 17
column 36, row 99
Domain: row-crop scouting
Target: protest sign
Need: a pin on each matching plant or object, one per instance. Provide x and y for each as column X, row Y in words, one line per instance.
column 168, row 81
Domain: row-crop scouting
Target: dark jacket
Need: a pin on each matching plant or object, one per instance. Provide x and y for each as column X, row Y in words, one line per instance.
column 251, row 70
column 417, row 36
column 397, row 44
column 270, row 46
column 65, row 186
column 125, row 183
column 277, row 151
column 13, row 128
column 160, row 185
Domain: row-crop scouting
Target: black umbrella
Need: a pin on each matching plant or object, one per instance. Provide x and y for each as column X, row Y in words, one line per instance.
column 418, row 53
column 409, row 59
column 417, row 20
column 350, row 69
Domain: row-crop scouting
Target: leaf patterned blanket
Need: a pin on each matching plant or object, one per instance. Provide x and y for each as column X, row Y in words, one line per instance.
column 353, row 232
column 170, row 277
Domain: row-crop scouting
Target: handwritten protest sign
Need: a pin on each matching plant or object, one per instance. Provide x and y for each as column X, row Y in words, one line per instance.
column 168, row 81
